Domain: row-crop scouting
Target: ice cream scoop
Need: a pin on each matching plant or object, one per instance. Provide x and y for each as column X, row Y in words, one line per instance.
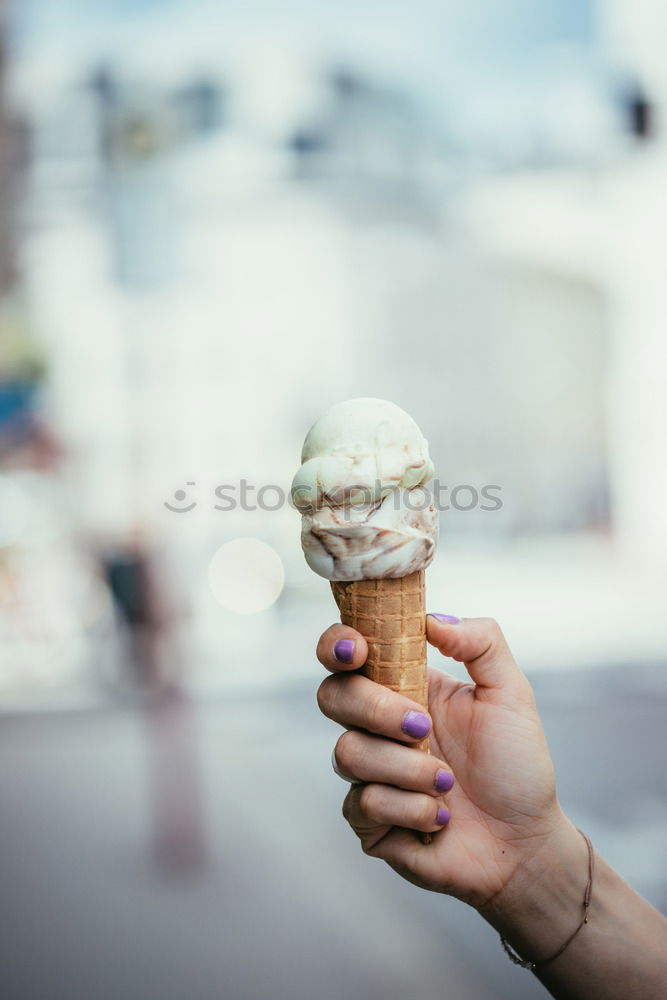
column 361, row 492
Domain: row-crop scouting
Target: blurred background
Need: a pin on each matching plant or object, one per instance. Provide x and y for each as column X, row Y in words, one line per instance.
column 216, row 220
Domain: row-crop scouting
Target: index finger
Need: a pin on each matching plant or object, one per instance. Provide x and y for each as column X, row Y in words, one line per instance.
column 342, row 648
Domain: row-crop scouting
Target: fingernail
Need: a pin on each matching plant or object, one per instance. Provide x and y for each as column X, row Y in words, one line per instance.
column 416, row 724
column 445, row 619
column 443, row 817
column 444, row 780
column 344, row 650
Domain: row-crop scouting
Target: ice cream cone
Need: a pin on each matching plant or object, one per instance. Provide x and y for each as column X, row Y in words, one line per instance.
column 389, row 613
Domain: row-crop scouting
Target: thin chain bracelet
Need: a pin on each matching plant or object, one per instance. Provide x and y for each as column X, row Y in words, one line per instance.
column 584, row 920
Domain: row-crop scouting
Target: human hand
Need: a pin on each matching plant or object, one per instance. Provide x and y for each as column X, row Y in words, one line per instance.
column 504, row 810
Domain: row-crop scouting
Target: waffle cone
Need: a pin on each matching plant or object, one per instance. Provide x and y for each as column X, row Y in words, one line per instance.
column 390, row 616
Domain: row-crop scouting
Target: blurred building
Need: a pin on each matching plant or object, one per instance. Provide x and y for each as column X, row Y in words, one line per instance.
column 364, row 132
column 218, row 247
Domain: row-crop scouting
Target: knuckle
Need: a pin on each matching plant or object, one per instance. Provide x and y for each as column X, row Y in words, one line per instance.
column 327, row 695
column 490, row 635
column 494, row 629
column 378, row 710
column 348, row 805
column 370, row 803
column 348, row 751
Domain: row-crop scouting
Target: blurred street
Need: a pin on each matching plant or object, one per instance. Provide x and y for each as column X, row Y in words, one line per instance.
column 275, row 899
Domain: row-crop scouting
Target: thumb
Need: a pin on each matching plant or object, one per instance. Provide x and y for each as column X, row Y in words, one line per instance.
column 480, row 645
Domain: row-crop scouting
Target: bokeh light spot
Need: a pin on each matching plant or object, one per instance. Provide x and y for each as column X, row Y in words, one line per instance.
column 246, row 576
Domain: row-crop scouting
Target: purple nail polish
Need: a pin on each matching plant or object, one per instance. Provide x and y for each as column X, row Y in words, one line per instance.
column 444, row 780
column 344, row 650
column 416, row 724
column 443, row 816
column 445, row 619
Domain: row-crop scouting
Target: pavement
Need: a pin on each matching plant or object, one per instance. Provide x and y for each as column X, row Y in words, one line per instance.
column 196, row 850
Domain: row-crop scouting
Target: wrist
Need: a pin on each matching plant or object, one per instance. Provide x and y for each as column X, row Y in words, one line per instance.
column 541, row 905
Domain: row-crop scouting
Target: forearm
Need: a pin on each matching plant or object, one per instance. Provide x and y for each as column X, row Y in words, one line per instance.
column 619, row 954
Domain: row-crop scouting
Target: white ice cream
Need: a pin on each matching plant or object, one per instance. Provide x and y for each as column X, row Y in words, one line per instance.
column 360, row 490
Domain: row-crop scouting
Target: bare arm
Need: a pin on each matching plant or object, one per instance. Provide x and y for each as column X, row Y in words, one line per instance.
column 500, row 839
column 620, row 952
